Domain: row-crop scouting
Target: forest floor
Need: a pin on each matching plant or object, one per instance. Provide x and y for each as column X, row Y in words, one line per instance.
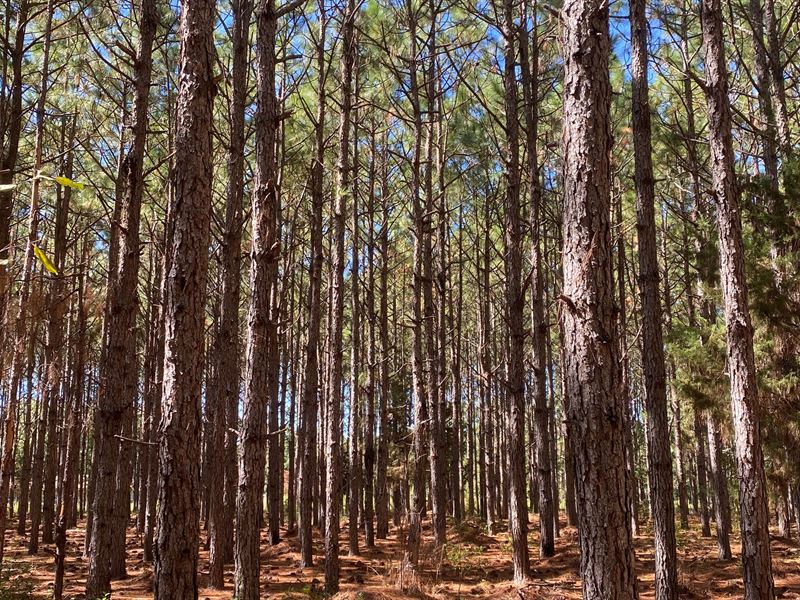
column 472, row 565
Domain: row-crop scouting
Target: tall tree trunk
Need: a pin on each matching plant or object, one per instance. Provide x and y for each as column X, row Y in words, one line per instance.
column 548, row 509
column 754, row 514
column 369, row 422
column 776, row 67
column 223, row 488
column 596, row 411
column 457, row 446
column 37, row 470
column 256, row 417
column 19, row 323
column 70, row 463
column 307, row 432
column 630, row 423
column 654, row 371
column 27, row 444
column 487, row 471
column 119, row 389
column 418, row 358
column 762, row 74
column 9, row 153
column 54, row 353
column 436, row 434
column 177, row 543
column 515, row 309
column 354, row 493
column 381, row 483
column 334, row 408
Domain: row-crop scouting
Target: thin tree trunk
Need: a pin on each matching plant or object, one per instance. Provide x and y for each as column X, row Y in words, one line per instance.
column 72, row 416
column 19, row 330
column 308, row 430
column 515, row 308
column 702, row 474
column 355, row 475
column 382, row 485
column 754, row 514
column 54, row 353
column 436, row 434
column 369, row 424
column 223, row 488
column 27, row 446
column 720, row 486
column 487, row 470
column 548, row 509
column 334, row 407
column 654, row 371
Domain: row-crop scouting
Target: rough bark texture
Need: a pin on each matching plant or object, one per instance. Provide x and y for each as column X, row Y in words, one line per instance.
column 334, row 407
column 119, row 388
column 655, row 381
column 592, row 375
column 19, row 321
column 307, row 431
column 9, row 147
column 54, row 351
column 436, row 433
column 702, row 471
column 179, row 448
column 355, row 475
column 487, row 472
column 73, row 424
column 265, row 249
column 543, row 465
column 381, row 483
column 754, row 514
column 720, row 485
column 223, row 489
column 372, row 383
column 515, row 307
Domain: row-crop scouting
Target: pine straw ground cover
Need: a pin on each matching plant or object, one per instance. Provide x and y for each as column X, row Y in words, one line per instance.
column 472, row 565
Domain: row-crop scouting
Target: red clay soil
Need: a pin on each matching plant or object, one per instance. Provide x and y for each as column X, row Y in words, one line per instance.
column 471, row 565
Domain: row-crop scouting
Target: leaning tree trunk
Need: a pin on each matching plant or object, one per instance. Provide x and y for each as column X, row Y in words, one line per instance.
column 655, row 380
column 178, row 528
column 592, row 374
column 754, row 513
